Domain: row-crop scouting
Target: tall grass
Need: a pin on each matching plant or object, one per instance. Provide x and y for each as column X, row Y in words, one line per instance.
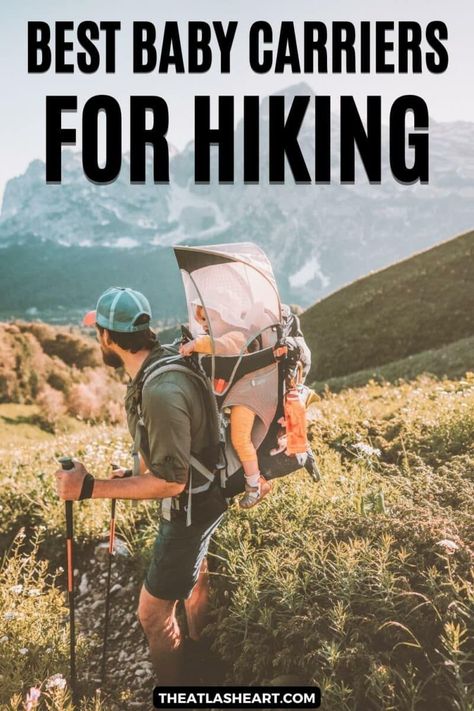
column 362, row 584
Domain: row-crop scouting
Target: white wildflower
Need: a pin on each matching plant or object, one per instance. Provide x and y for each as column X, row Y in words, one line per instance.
column 34, row 592
column 32, row 698
column 24, row 650
column 366, row 449
column 449, row 546
column 9, row 616
column 16, row 589
column 57, row 681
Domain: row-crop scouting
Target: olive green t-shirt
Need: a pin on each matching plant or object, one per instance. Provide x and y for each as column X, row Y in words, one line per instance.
column 174, row 420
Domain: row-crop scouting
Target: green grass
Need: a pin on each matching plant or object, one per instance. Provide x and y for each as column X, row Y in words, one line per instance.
column 351, row 584
column 447, row 362
column 362, row 584
column 421, row 303
column 22, row 423
column 19, row 423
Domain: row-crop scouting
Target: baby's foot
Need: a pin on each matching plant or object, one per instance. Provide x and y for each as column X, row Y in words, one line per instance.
column 254, row 494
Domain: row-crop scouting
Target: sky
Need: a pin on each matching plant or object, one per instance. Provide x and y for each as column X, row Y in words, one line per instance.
column 449, row 96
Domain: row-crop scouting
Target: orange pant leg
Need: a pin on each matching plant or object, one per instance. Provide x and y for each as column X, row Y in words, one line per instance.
column 241, row 424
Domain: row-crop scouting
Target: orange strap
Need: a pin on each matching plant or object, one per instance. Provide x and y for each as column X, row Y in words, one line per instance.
column 112, row 536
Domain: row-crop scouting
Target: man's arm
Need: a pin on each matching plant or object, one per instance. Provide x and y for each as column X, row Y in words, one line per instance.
column 166, row 411
column 167, row 416
column 145, row 486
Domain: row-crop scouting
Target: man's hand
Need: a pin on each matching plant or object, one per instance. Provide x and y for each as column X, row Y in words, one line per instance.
column 69, row 483
column 119, row 472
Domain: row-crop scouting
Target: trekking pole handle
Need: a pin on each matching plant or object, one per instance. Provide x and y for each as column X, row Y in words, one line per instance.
column 66, row 463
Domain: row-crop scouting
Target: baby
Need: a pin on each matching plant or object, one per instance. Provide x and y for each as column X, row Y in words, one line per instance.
column 241, row 418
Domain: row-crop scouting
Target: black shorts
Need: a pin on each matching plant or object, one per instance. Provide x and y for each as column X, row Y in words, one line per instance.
column 177, row 556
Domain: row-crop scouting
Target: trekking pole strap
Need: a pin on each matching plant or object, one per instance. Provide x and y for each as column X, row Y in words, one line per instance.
column 87, row 487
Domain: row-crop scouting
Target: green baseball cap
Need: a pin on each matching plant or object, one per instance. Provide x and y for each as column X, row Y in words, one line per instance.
column 118, row 309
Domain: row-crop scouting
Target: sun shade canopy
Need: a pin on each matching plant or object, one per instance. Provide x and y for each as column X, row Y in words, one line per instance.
column 231, row 295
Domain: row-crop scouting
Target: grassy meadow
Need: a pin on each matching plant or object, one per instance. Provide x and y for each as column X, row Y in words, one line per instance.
column 362, row 584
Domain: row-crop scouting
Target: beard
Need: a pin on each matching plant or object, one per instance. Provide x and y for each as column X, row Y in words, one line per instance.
column 111, row 358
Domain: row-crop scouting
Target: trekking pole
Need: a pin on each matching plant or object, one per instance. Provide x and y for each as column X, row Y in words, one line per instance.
column 128, row 472
column 67, row 465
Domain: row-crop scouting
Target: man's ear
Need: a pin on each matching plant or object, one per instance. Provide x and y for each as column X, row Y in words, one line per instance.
column 106, row 337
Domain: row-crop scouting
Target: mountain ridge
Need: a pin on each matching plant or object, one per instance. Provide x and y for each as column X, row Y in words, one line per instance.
column 318, row 237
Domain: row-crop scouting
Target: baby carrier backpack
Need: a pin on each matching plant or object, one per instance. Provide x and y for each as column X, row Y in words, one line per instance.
column 235, row 286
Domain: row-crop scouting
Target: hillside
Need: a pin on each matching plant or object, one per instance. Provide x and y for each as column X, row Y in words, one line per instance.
column 59, row 371
column 421, row 303
column 448, row 361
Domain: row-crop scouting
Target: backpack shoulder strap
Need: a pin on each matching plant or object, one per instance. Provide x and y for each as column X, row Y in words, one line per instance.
column 168, row 368
column 152, row 371
column 177, row 364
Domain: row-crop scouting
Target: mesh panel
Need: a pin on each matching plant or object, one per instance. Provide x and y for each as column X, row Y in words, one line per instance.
column 235, row 302
column 235, row 297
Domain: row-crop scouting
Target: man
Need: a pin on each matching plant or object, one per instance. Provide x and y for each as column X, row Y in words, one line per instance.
column 173, row 423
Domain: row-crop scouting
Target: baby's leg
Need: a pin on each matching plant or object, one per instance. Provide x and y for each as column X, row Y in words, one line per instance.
column 241, row 423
